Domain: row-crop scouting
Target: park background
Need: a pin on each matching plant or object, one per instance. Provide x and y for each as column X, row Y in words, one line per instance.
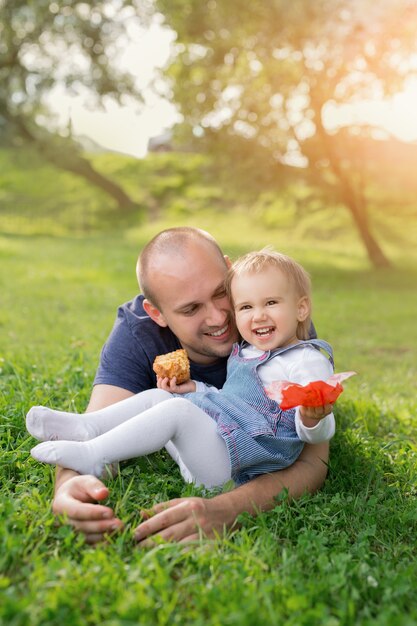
column 284, row 130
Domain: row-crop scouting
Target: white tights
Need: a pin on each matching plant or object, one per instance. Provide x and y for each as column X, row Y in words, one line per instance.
column 137, row 426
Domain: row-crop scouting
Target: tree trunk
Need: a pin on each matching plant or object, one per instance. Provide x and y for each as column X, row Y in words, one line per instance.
column 67, row 158
column 356, row 205
column 80, row 166
column 375, row 252
column 357, row 209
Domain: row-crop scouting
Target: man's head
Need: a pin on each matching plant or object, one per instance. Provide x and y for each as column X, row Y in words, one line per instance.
column 181, row 273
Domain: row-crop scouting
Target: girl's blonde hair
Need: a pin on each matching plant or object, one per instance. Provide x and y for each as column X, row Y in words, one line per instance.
column 255, row 262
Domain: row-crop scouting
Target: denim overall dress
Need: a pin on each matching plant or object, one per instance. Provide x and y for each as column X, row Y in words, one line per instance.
column 260, row 437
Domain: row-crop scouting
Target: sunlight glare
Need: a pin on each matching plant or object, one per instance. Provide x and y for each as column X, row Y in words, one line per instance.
column 395, row 115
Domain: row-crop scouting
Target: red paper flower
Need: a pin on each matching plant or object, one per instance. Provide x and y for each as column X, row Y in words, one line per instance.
column 316, row 393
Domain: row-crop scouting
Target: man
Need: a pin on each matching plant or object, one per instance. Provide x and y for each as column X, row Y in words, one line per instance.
column 181, row 273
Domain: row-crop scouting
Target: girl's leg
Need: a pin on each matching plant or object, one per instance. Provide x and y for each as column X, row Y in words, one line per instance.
column 47, row 424
column 175, row 455
column 193, row 433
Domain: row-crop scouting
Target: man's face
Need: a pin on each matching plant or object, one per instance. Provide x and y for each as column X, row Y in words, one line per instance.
column 189, row 288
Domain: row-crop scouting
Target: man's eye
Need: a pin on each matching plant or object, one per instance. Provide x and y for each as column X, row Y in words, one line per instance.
column 190, row 311
column 220, row 294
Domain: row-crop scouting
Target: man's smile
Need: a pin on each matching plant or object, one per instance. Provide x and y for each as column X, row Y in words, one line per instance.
column 221, row 333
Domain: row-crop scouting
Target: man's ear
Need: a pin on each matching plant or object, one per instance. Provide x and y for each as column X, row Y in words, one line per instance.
column 228, row 262
column 303, row 308
column 154, row 313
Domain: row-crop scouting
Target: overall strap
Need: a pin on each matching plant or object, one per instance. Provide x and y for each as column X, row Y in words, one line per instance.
column 319, row 344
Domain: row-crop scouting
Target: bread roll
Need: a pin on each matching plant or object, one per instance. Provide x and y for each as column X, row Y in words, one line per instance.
column 173, row 364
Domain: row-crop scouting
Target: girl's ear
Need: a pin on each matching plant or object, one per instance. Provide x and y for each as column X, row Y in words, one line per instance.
column 228, row 262
column 303, row 308
column 154, row 313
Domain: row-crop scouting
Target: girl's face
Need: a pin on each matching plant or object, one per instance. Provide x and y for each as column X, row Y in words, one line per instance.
column 267, row 309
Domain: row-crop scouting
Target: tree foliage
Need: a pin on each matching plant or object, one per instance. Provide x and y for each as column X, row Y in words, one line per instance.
column 269, row 73
column 72, row 44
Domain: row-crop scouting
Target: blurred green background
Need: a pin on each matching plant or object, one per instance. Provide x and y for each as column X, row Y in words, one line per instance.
column 270, row 148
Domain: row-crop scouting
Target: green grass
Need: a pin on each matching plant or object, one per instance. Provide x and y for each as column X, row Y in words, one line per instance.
column 343, row 556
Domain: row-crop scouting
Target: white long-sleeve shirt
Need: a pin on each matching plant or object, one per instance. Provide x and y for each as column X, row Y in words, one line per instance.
column 302, row 366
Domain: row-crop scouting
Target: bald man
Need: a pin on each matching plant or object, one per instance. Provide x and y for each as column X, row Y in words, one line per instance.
column 181, row 273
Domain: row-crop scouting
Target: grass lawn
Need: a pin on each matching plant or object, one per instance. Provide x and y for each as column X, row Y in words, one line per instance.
column 344, row 556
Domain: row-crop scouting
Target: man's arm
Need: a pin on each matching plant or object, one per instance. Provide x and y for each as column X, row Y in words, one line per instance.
column 183, row 519
column 76, row 496
column 104, row 395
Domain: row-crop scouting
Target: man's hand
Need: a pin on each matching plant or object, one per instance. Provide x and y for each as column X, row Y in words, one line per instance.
column 76, row 499
column 311, row 415
column 183, row 520
column 186, row 519
column 76, row 496
column 170, row 384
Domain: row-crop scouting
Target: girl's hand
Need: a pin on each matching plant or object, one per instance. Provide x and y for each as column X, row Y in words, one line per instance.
column 311, row 415
column 170, row 384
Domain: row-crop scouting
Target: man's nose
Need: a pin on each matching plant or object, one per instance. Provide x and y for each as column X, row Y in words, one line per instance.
column 215, row 315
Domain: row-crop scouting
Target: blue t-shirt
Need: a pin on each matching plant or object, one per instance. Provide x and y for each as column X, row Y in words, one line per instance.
column 134, row 342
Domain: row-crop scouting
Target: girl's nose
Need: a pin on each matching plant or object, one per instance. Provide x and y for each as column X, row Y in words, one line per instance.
column 259, row 314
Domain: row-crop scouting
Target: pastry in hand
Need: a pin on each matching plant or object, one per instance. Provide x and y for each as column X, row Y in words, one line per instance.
column 173, row 364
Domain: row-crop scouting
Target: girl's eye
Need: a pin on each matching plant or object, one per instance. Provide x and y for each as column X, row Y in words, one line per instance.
column 271, row 302
column 245, row 307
